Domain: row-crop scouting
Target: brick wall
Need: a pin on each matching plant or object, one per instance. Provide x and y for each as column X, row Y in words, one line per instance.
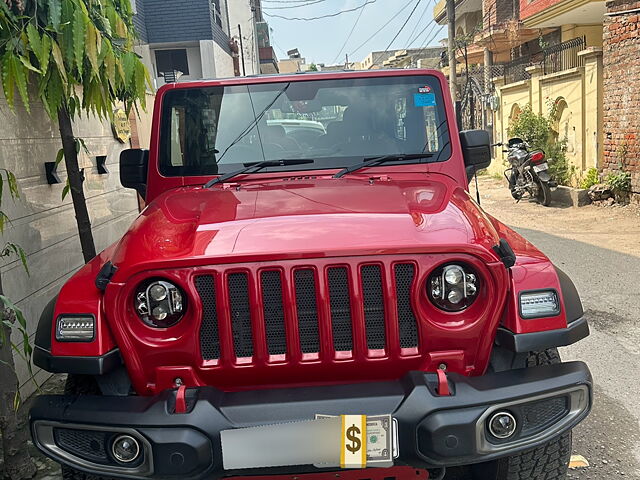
column 621, row 57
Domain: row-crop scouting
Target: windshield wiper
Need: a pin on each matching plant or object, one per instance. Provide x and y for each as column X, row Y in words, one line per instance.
column 371, row 161
column 256, row 166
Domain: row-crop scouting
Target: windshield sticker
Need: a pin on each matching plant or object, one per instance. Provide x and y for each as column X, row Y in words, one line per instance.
column 425, row 89
column 424, row 99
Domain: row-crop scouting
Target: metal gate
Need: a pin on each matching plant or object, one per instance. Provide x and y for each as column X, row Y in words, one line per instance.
column 472, row 106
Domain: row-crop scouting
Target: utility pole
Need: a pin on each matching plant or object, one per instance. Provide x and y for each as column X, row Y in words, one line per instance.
column 453, row 72
column 244, row 73
column 346, row 61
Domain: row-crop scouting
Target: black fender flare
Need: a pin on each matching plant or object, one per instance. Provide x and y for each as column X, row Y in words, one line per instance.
column 577, row 325
column 43, row 358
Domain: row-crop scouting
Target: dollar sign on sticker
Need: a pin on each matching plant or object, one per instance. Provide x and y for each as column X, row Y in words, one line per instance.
column 352, row 434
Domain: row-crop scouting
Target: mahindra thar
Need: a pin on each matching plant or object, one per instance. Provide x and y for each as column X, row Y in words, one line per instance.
column 312, row 293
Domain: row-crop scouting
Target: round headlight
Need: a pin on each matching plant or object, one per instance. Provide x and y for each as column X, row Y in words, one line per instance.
column 159, row 303
column 453, row 287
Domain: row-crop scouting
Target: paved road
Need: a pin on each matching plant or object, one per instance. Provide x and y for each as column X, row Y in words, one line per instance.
column 599, row 248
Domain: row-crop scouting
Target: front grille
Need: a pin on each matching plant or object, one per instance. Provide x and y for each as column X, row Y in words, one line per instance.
column 357, row 297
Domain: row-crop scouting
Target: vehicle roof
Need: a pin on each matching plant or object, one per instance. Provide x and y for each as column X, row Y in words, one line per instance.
column 303, row 76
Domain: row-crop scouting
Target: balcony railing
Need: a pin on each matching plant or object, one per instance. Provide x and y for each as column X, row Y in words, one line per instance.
column 563, row 56
column 515, row 70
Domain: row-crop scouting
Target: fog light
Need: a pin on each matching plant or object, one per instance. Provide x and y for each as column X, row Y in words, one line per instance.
column 502, row 425
column 77, row 328
column 539, row 304
column 125, row 449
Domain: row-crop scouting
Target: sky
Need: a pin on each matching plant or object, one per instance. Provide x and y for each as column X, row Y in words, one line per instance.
column 321, row 41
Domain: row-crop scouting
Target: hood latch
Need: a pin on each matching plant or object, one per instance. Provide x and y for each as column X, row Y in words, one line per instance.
column 505, row 252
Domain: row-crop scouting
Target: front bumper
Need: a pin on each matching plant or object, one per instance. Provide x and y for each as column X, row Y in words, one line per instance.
column 433, row 430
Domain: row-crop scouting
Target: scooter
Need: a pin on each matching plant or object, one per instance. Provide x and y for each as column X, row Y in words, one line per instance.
column 528, row 172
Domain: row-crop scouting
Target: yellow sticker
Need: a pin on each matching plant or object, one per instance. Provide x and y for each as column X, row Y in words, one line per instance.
column 353, row 450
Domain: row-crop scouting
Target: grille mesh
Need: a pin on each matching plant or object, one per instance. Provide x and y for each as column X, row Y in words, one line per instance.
column 404, row 273
column 209, row 337
column 307, row 309
column 340, row 308
column 538, row 415
column 238, row 285
column 373, row 302
column 85, row 444
column 273, row 312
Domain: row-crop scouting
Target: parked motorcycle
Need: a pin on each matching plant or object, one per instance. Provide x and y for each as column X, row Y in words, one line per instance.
column 528, row 172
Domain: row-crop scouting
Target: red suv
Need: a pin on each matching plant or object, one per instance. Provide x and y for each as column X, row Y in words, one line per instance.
column 311, row 302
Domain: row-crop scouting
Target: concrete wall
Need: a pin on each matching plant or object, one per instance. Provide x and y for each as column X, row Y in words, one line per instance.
column 593, row 33
column 42, row 223
column 578, row 94
column 224, row 62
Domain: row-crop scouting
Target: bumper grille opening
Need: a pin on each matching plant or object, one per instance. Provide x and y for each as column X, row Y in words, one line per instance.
column 86, row 444
column 537, row 416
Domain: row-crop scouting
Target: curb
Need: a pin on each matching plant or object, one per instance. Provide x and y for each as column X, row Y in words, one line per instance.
column 571, row 197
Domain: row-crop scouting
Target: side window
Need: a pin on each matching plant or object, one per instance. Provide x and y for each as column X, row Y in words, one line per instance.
column 172, row 60
column 177, row 136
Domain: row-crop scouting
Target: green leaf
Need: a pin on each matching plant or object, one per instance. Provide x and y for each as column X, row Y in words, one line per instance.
column 27, row 63
column 13, row 184
column 55, row 13
column 59, row 156
column 83, row 145
column 129, row 65
column 79, row 27
column 18, row 251
column 91, row 48
column 8, row 78
column 21, row 81
column 46, row 53
column 65, row 190
column 35, row 42
column 57, row 56
column 3, row 221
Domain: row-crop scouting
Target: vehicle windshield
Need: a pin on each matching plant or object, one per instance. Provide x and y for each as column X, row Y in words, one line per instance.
column 334, row 122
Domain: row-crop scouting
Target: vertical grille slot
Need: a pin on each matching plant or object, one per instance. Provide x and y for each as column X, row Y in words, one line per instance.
column 373, row 304
column 273, row 312
column 405, row 273
column 307, row 310
column 209, row 338
column 240, row 310
column 340, row 308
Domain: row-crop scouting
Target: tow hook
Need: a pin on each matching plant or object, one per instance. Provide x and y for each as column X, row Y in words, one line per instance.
column 443, row 383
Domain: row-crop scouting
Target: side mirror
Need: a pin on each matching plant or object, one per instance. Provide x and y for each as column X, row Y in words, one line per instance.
column 476, row 150
column 134, row 163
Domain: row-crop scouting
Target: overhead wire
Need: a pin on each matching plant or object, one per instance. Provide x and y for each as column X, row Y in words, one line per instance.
column 426, row 7
column 381, row 28
column 309, row 2
column 374, row 61
column 335, row 14
column 348, row 36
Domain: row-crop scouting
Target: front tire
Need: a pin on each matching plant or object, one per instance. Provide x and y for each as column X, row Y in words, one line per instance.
column 80, row 385
column 546, row 462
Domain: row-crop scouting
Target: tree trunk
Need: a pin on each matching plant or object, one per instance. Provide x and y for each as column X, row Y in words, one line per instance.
column 17, row 462
column 76, row 178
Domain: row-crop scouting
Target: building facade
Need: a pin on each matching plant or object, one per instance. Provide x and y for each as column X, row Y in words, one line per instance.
column 542, row 53
column 196, row 39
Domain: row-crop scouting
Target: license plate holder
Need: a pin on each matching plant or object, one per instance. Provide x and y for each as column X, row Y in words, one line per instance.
column 541, row 167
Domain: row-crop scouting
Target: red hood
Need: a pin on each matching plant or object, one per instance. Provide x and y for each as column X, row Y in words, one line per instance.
column 305, row 217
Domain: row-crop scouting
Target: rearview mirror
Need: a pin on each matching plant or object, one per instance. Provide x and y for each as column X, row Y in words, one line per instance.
column 134, row 164
column 476, row 150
